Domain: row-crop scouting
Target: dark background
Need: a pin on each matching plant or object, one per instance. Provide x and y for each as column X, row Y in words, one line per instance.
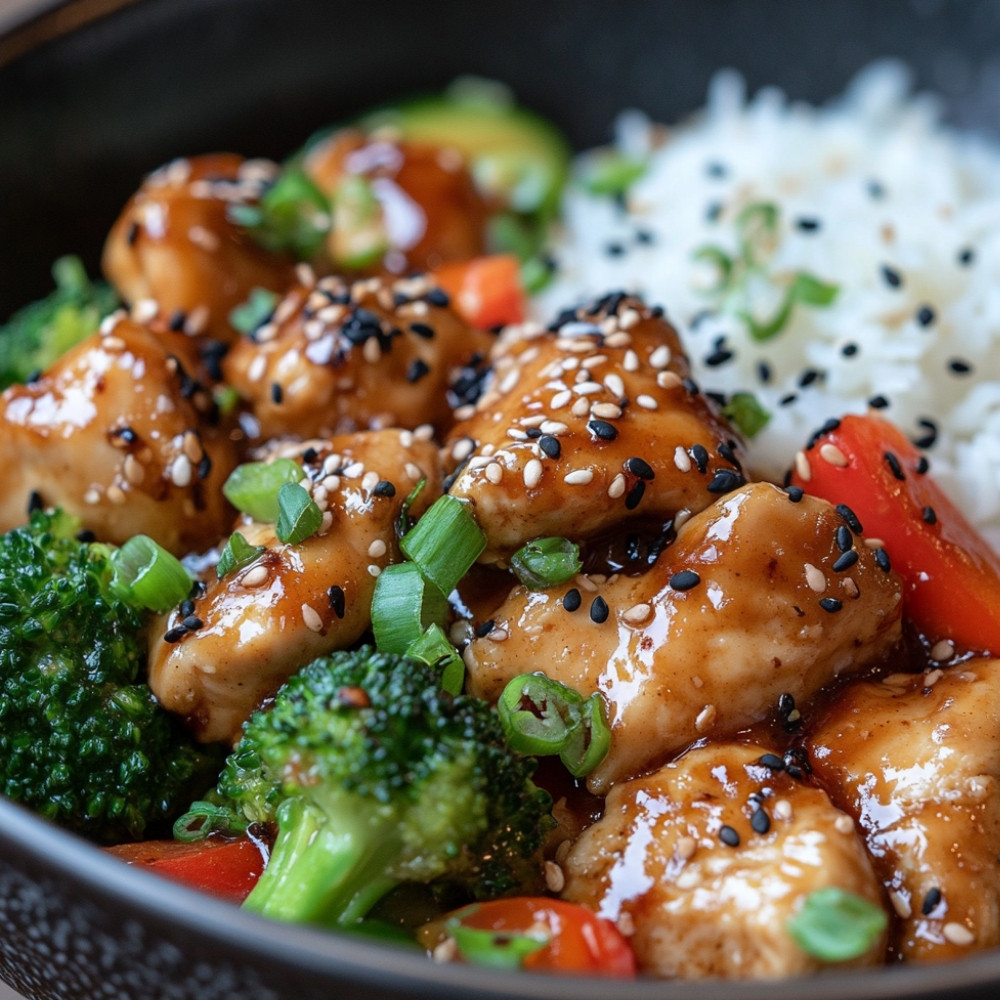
column 83, row 117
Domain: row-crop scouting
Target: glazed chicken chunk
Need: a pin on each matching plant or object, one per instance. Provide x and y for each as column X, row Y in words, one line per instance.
column 216, row 658
column 589, row 424
column 704, row 861
column 118, row 433
column 337, row 357
column 175, row 244
column 764, row 598
column 916, row 760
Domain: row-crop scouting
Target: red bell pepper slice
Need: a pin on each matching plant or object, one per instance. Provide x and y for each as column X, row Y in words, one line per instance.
column 485, row 291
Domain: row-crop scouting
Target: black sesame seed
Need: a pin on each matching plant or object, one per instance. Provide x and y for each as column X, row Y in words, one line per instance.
column 831, row 604
column 635, row 494
column 729, row 836
column 850, row 350
column 416, row 370
column 716, row 169
column 772, row 762
column 807, row 224
column 599, row 610
column 186, row 607
column 891, row 276
column 829, row 426
column 204, row 467
column 713, row 210
column 928, row 515
column 850, row 518
column 966, row 256
column 691, row 386
column 764, row 372
column 808, row 377
column 337, row 600
column 958, row 366
column 795, row 493
column 700, row 455
column 727, row 452
column 719, row 357
column 760, row 822
column 602, row 429
column 85, row 536
column 725, row 481
column 550, row 446
column 34, row 502
column 882, row 560
column 192, row 623
column 844, row 538
column 485, row 628
column 685, row 579
column 931, row 901
column 925, row 315
column 878, row 402
column 639, row 467
column 894, row 467
column 572, row 600
column 644, row 236
column 614, row 249
column 788, row 399
column 175, row 634
column 384, row 488
column 438, row 297
column 798, row 756
column 922, row 465
column 875, row 190
column 845, row 561
column 422, row 330
column 786, row 704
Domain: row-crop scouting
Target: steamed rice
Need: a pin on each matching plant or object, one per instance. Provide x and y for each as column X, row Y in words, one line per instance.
column 876, row 196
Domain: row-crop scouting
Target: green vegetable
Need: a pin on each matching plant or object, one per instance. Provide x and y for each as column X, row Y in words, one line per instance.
column 757, row 235
column 546, row 562
column 610, row 173
column 445, row 542
column 745, row 413
column 544, row 717
column 253, row 487
column 82, row 739
column 375, row 777
column 836, row 926
column 37, row 335
column 293, row 215
column 359, row 238
column 299, row 516
column 254, row 312
column 433, row 648
column 148, row 575
column 493, row 949
column 237, row 554
column 403, row 605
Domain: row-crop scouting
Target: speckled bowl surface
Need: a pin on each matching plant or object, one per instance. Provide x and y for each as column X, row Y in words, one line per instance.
column 94, row 93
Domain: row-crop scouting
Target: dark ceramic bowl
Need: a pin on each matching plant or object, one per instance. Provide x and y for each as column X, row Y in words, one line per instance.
column 95, row 93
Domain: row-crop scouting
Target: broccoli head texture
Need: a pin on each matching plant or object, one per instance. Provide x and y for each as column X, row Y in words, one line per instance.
column 374, row 777
column 82, row 739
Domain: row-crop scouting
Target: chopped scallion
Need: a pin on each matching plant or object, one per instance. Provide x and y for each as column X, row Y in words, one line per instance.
column 237, row 554
column 836, row 926
column 445, row 542
column 491, row 948
column 433, row 648
column 254, row 311
column 746, row 414
column 299, row 516
column 148, row 575
column 546, row 562
column 403, row 606
column 253, row 487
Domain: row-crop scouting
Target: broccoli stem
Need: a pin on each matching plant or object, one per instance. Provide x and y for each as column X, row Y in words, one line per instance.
column 324, row 869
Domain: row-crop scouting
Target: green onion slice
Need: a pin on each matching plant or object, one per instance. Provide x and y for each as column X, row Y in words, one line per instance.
column 148, row 575
column 360, row 237
column 445, row 542
column 433, row 648
column 546, row 562
column 254, row 311
column 544, row 717
column 746, row 413
column 404, row 604
column 495, row 949
column 237, row 554
column 299, row 516
column 836, row 926
column 205, row 818
column 253, row 487
column 404, row 522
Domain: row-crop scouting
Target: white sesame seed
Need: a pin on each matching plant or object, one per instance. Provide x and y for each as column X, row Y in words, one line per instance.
column 326, row 523
column 832, row 454
column 686, row 847
column 181, row 472
column 516, row 434
column 932, row 677
column 782, row 809
column 509, row 380
column 305, row 275
column 705, row 718
column 682, row 460
column 555, row 878
column 647, row 402
column 145, row 310
column 669, row 380
column 617, row 487
column 900, row 904
column 844, row 824
column 606, row 411
column 465, row 412
column 943, row 650
column 532, row 473
column 196, row 321
column 257, row 367
column 874, row 543
column 594, row 361
column 498, row 635
column 631, row 361
column 637, row 614
column 681, row 518
column 494, row 473
column 802, row 466
column 133, row 470
column 370, row 480
column 115, row 494
column 374, row 570
column 815, row 578
column 462, row 449
column 254, row 576
column 588, row 388
column 425, row 432
column 560, row 399
column 204, row 238
column 660, row 358
column 553, row 428
column 615, row 384
column 850, row 587
column 957, row 933
column 618, row 339
column 311, row 618
column 584, row 582
column 628, row 319
column 581, row 407
column 354, row 470
column 413, row 471
column 579, row 477
column 377, row 549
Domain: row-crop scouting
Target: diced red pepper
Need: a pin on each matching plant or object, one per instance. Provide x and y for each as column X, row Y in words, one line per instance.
column 485, row 291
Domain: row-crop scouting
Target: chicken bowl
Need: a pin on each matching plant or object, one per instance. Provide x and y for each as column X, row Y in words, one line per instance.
column 531, row 461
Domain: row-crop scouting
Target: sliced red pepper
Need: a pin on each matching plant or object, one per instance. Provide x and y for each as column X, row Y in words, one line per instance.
column 225, row 868
column 951, row 574
column 485, row 291
column 544, row 935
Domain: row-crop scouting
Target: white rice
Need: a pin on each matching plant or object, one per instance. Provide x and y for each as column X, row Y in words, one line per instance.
column 889, row 186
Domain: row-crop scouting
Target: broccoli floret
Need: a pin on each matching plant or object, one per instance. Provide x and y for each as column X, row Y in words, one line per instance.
column 376, row 777
column 82, row 739
column 34, row 337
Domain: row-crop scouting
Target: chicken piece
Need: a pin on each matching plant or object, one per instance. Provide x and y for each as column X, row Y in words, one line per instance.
column 259, row 624
column 398, row 206
column 743, row 615
column 705, row 860
column 336, row 358
column 118, row 433
column 175, row 244
column 916, row 760
column 587, row 425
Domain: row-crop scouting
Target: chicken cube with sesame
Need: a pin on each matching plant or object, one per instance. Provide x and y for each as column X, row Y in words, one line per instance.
column 217, row 657
column 337, row 357
column 589, row 424
column 915, row 759
column 749, row 612
column 119, row 433
column 708, row 861
column 175, row 245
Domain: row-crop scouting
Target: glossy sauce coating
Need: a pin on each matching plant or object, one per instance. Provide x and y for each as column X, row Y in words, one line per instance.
column 338, row 356
column 261, row 623
column 119, row 433
column 679, row 656
column 175, row 244
column 916, row 760
column 589, row 426
column 704, row 861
